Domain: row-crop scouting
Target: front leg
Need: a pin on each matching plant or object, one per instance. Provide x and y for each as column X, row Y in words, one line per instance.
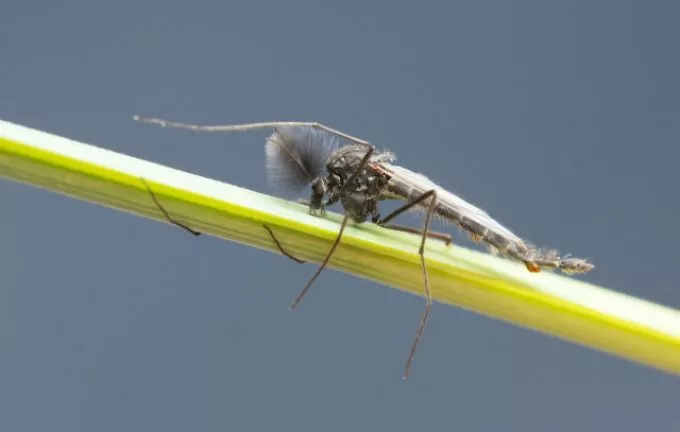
column 319, row 190
column 318, row 209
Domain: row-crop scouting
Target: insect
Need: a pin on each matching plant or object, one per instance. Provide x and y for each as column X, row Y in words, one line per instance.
column 342, row 168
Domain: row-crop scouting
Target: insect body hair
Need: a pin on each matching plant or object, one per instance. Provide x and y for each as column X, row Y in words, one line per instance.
column 295, row 156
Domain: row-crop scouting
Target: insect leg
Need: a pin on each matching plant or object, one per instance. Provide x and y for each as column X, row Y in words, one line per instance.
column 247, row 127
column 197, row 233
column 272, row 124
column 406, row 207
column 421, row 251
column 446, row 238
column 323, row 265
column 278, row 245
column 165, row 213
column 350, row 181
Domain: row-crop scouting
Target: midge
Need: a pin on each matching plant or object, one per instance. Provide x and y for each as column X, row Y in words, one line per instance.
column 340, row 167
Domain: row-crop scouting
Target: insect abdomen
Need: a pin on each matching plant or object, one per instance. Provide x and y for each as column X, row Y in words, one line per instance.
column 480, row 232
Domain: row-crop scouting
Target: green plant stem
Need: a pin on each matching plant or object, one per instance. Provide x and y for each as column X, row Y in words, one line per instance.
column 565, row 307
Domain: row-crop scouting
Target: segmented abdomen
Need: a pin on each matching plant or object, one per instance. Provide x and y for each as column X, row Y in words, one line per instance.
column 478, row 223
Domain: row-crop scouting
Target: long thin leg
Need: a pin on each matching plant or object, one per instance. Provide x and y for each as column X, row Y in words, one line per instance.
column 265, row 125
column 428, row 294
column 323, row 265
column 406, row 207
column 278, row 245
column 421, row 251
column 197, row 233
column 262, row 125
column 246, row 127
column 165, row 213
column 446, row 238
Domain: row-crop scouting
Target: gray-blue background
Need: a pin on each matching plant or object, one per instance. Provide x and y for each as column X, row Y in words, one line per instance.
column 559, row 118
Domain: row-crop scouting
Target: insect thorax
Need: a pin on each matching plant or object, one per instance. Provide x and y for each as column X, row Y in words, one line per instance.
column 359, row 199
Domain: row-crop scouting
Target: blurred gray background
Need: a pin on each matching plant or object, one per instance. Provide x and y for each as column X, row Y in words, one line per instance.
column 559, row 118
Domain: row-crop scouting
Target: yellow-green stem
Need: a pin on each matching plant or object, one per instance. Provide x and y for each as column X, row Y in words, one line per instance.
column 564, row 307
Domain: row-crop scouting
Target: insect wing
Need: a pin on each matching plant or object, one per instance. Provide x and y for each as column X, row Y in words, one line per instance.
column 449, row 200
